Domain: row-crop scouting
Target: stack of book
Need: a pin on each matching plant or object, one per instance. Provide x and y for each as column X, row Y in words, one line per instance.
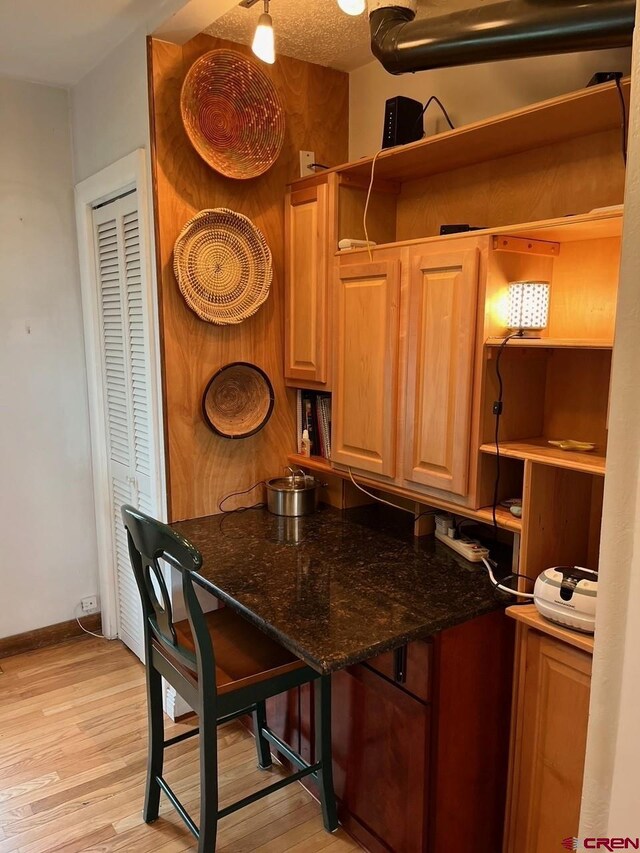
column 314, row 414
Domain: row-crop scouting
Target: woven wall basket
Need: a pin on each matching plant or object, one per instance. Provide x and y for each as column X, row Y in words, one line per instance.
column 232, row 114
column 223, row 266
column 238, row 400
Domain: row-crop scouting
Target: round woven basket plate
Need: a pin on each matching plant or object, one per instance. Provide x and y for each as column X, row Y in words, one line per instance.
column 238, row 401
column 223, row 266
column 232, row 114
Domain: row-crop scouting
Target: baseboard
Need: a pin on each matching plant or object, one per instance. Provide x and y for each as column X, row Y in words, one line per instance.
column 49, row 636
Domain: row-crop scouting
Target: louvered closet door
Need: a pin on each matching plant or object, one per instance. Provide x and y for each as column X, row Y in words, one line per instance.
column 126, row 386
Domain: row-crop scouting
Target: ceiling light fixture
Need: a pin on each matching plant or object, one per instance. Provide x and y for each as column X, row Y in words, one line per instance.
column 263, row 43
column 352, row 7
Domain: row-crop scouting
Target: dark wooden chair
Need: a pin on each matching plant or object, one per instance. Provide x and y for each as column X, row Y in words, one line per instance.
column 224, row 668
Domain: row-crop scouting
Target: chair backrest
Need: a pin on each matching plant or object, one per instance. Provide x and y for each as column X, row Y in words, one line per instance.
column 150, row 541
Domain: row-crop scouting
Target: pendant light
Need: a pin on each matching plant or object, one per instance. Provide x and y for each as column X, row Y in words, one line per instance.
column 352, row 7
column 263, row 43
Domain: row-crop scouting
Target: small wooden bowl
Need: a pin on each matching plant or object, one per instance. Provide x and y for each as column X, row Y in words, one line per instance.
column 238, row 400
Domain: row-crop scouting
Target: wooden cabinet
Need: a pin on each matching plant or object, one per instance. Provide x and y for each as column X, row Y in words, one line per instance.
column 440, row 359
column 420, row 762
column 549, row 730
column 306, row 281
column 365, row 391
column 380, row 759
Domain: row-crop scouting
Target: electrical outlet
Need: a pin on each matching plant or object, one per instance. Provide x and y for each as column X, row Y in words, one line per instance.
column 89, row 604
column 306, row 159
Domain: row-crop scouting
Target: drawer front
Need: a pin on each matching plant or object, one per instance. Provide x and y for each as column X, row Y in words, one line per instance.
column 408, row 666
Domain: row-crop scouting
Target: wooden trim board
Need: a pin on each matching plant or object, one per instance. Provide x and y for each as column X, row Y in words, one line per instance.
column 51, row 635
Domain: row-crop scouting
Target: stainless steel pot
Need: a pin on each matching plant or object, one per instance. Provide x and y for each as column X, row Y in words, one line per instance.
column 294, row 495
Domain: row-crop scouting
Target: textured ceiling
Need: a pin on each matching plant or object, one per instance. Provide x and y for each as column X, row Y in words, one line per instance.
column 316, row 30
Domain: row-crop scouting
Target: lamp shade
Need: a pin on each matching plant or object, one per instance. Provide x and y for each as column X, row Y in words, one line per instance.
column 528, row 305
column 263, row 43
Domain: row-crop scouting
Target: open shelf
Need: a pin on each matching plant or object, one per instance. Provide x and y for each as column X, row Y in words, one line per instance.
column 587, row 111
column 552, row 343
column 538, row 450
column 505, row 520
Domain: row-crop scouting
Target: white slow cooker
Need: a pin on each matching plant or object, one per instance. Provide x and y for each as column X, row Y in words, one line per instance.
column 567, row 595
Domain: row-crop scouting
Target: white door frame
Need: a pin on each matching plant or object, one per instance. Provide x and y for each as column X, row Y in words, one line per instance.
column 124, row 175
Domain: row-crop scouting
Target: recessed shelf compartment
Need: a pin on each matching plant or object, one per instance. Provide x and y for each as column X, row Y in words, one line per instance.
column 563, row 519
column 548, row 394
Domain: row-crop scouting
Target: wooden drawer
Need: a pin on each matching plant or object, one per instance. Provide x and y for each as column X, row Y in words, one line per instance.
column 409, row 667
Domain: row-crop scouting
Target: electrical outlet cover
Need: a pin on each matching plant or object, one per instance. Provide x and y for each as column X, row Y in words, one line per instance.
column 306, row 159
column 89, row 604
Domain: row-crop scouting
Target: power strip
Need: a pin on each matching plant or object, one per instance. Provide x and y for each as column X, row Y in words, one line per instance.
column 467, row 548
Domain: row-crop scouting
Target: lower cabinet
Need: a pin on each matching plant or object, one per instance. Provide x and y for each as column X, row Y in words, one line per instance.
column 380, row 760
column 420, row 741
column 549, row 732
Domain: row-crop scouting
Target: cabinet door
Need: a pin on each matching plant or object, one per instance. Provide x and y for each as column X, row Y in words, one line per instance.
column 549, row 743
column 306, row 225
column 366, row 365
column 380, row 759
column 442, row 322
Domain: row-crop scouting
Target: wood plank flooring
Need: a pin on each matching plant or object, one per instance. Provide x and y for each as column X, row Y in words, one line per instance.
column 72, row 764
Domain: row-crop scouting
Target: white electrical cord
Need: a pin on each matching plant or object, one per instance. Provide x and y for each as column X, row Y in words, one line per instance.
column 388, row 503
column 499, row 586
column 86, row 630
column 366, row 204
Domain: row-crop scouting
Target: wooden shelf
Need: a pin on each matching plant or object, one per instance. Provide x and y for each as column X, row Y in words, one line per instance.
column 551, row 343
column 312, row 463
column 538, row 450
column 595, row 225
column 505, row 520
column 587, row 111
column 529, row 615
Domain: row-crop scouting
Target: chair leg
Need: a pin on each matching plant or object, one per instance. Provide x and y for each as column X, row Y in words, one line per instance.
column 262, row 744
column 322, row 692
column 208, row 779
column 156, row 743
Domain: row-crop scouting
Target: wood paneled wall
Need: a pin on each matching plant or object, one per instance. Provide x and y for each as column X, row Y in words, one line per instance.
column 202, row 467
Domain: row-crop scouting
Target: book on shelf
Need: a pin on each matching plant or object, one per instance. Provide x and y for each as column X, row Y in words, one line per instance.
column 313, row 413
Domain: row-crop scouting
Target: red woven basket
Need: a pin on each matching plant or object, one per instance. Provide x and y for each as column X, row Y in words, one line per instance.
column 232, row 114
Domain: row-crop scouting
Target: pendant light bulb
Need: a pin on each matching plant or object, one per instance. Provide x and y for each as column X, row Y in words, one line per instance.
column 352, row 7
column 263, row 42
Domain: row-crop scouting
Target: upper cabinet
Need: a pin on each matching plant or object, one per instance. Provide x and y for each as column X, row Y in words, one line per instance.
column 366, row 317
column 306, row 282
column 442, row 300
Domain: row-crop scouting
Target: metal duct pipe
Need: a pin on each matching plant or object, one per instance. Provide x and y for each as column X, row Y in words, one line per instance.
column 486, row 33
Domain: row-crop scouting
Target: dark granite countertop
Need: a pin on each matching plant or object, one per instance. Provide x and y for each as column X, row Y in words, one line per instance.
column 336, row 587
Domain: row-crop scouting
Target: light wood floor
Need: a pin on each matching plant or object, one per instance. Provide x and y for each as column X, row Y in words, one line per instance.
column 72, row 764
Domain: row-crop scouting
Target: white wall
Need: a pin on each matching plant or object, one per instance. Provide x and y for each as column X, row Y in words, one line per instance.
column 468, row 93
column 109, row 108
column 612, row 772
column 49, row 558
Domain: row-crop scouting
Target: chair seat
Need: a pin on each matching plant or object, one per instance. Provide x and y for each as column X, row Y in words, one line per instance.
column 244, row 654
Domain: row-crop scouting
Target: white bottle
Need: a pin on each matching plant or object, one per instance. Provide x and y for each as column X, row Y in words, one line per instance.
column 306, row 443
